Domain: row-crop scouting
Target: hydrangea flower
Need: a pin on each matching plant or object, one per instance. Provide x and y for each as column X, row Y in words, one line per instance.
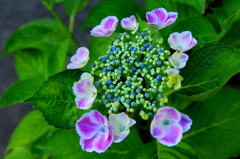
column 178, row 60
column 130, row 23
column 94, row 131
column 120, row 124
column 85, row 91
column 80, row 59
column 174, row 79
column 181, row 41
column 168, row 125
column 106, row 28
column 160, row 18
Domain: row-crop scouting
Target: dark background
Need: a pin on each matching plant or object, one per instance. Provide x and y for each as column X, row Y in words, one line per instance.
column 13, row 14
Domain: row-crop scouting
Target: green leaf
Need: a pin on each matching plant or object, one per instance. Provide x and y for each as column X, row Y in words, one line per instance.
column 201, row 28
column 232, row 7
column 57, row 58
column 175, row 101
column 25, row 136
column 215, row 130
column 119, row 8
column 33, row 35
column 74, row 6
column 198, row 4
column 154, row 150
column 56, row 101
column 207, row 70
column 20, row 91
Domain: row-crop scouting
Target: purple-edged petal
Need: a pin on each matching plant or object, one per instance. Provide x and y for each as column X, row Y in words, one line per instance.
column 97, row 117
column 87, row 76
column 172, row 40
column 173, row 15
column 179, row 60
column 184, row 39
column 72, row 66
column 151, row 18
column 193, row 43
column 172, row 113
column 157, row 128
column 162, row 14
column 84, row 89
column 84, row 103
column 102, row 142
column 185, row 122
column 87, row 144
column 118, row 139
column 168, row 22
column 129, row 23
column 86, row 128
column 82, row 53
column 172, row 71
column 173, row 135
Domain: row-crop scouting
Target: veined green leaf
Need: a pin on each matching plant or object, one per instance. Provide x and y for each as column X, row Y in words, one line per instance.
column 74, row 6
column 198, row 4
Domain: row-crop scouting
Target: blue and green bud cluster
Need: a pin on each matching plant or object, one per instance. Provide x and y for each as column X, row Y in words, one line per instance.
column 133, row 74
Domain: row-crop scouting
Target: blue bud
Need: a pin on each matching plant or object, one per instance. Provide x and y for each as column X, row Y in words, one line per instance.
column 142, row 65
column 160, row 52
column 130, row 48
column 150, row 66
column 109, row 82
column 118, row 98
column 104, row 101
column 147, row 95
column 133, row 93
column 135, row 49
column 143, row 33
column 142, row 48
column 159, row 62
column 115, row 99
column 163, row 68
column 154, row 102
column 96, row 83
column 111, row 53
column 110, row 68
column 128, row 101
column 104, row 69
column 119, row 36
column 117, row 49
column 146, row 45
column 128, row 60
column 114, row 48
column 160, row 96
column 109, row 96
column 120, row 68
column 133, row 104
column 142, row 100
column 155, row 80
column 119, row 71
column 125, row 92
column 111, row 86
column 91, row 64
column 150, row 115
column 104, row 59
column 133, row 78
column 152, row 47
column 138, row 90
column 134, row 69
column 128, row 83
column 159, row 77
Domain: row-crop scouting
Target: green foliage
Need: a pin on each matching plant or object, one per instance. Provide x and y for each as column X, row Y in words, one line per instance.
column 74, row 6
column 155, row 150
column 216, row 126
column 198, row 4
column 55, row 99
column 119, row 8
column 206, row 71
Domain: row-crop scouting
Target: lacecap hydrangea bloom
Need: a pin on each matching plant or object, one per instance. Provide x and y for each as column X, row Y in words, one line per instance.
column 80, row 59
column 134, row 76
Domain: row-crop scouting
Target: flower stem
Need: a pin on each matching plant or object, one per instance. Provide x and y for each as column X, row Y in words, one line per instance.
column 154, row 33
column 71, row 23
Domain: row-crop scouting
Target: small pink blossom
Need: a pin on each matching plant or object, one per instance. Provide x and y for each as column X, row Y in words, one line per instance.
column 178, row 60
column 106, row 28
column 168, row 125
column 130, row 23
column 85, row 91
column 181, row 41
column 120, row 124
column 94, row 131
column 160, row 18
column 80, row 59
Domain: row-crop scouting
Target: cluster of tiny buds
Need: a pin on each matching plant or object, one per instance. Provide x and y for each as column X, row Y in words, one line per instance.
column 133, row 73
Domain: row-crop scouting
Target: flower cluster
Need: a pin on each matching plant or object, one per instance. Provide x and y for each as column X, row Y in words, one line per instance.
column 135, row 74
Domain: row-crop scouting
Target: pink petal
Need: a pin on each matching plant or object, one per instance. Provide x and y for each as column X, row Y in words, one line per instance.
column 172, row 113
column 124, row 134
column 82, row 53
column 102, row 141
column 157, row 128
column 72, row 66
column 162, row 14
column 151, row 18
column 86, row 128
column 87, row 144
column 98, row 31
column 98, row 118
column 173, row 15
column 185, row 122
column 74, row 59
column 184, row 39
column 167, row 22
column 84, row 103
column 79, row 88
column 193, row 43
column 133, row 20
column 173, row 135
column 172, row 40
column 109, row 23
